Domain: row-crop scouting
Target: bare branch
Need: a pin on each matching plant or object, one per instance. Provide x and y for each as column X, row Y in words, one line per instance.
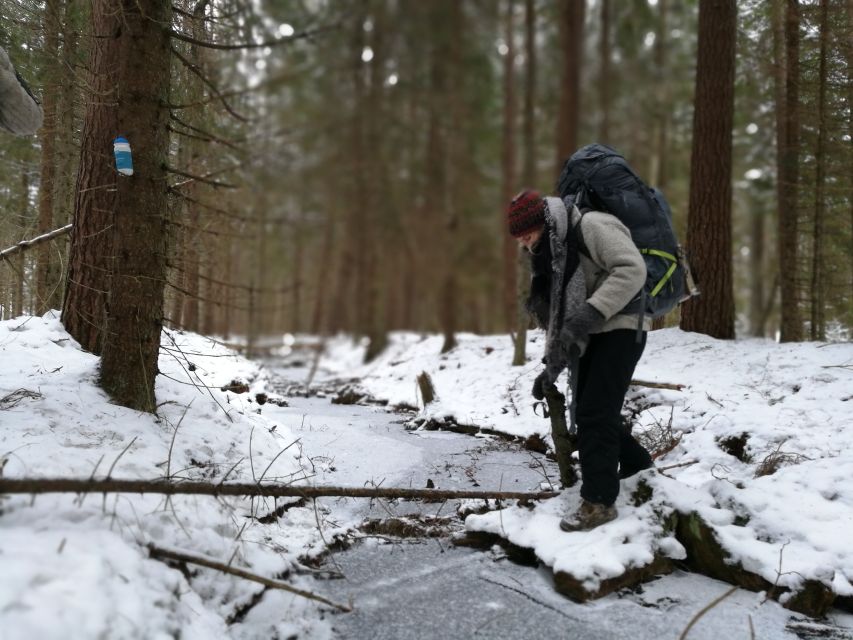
column 213, row 183
column 200, row 74
column 175, row 556
column 254, row 45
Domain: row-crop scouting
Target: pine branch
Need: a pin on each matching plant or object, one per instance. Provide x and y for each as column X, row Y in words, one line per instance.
column 207, row 82
column 253, row 45
column 204, row 179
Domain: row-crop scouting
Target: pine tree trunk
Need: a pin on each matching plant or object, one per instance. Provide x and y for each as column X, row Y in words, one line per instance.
column 818, row 329
column 571, row 22
column 788, row 143
column 848, row 51
column 508, row 178
column 321, row 288
column 454, row 181
column 377, row 181
column 135, row 309
column 50, row 96
column 709, row 227
column 756, row 270
column 604, row 78
column 67, row 152
column 662, row 117
column 519, row 356
column 89, row 260
column 664, row 104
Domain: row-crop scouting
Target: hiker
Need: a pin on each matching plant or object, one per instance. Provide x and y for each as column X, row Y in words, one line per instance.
column 585, row 270
column 20, row 112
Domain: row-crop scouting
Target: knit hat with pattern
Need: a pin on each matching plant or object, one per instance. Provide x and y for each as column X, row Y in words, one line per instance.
column 526, row 212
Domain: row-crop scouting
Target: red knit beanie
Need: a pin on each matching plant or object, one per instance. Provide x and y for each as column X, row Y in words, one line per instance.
column 526, row 212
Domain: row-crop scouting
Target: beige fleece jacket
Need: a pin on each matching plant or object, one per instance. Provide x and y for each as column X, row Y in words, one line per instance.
column 614, row 271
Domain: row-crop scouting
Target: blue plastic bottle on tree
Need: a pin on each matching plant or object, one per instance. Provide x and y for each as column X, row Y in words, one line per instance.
column 124, row 161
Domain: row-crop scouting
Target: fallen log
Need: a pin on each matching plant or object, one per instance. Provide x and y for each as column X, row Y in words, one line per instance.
column 180, row 556
column 249, row 489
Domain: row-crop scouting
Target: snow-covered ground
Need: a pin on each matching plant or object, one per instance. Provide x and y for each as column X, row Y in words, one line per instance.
column 764, row 431
column 78, row 567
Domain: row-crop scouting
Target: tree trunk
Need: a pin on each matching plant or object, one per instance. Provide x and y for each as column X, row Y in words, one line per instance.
column 192, row 236
column 604, row 78
column 709, row 227
column 510, row 251
column 519, row 356
column 135, row 309
column 50, row 95
column 664, row 103
column 456, row 185
column 321, row 289
column 89, row 261
column 19, row 306
column 662, row 116
column 571, row 22
column 756, row 269
column 848, row 51
column 378, row 198
column 788, row 143
column 818, row 329
column 67, row 151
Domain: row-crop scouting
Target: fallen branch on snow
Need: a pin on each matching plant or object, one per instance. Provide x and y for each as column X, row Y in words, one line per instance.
column 657, row 385
column 253, row 489
column 165, row 554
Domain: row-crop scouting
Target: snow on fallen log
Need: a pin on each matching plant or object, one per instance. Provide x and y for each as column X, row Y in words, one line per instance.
column 660, row 521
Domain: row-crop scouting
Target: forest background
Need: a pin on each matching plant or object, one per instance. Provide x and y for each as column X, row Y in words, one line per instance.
column 345, row 165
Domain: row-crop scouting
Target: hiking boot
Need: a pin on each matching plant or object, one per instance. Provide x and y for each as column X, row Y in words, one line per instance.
column 588, row 516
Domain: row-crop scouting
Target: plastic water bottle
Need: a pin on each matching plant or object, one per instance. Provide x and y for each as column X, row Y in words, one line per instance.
column 124, row 161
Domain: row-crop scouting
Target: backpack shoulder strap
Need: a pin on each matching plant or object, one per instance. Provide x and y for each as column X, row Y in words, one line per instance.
column 579, row 234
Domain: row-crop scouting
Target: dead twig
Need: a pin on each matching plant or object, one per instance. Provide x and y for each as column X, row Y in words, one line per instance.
column 657, row 385
column 661, row 470
column 705, row 610
column 15, row 398
column 175, row 556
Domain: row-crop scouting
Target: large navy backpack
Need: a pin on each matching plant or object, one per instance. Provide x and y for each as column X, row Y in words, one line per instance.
column 597, row 178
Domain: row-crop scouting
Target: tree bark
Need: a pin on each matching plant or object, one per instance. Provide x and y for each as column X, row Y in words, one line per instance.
column 788, row 143
column 756, row 270
column 571, row 22
column 135, row 307
column 709, row 226
column 50, row 95
column 818, row 329
column 604, row 78
column 519, row 356
column 89, row 261
column 379, row 196
column 510, row 251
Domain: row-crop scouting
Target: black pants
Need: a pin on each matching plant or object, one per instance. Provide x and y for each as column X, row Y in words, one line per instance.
column 607, row 449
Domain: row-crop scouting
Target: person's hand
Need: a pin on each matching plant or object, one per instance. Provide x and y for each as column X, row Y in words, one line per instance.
column 580, row 324
column 539, row 385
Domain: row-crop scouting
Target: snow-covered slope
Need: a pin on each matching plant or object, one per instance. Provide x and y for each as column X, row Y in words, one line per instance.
column 78, row 567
